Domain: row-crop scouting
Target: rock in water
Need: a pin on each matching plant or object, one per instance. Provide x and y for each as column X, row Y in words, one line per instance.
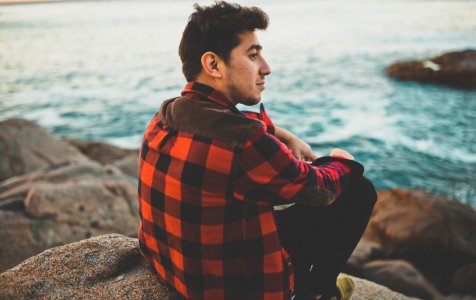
column 25, row 147
column 109, row 267
column 456, row 69
column 434, row 233
column 61, row 205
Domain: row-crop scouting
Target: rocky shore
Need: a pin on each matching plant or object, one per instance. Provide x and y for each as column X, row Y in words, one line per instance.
column 456, row 69
column 420, row 245
column 72, row 195
column 109, row 267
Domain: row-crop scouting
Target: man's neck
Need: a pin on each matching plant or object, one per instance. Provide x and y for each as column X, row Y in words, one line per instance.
column 213, row 84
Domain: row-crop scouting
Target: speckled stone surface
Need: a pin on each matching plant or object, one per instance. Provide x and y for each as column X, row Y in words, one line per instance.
column 108, row 267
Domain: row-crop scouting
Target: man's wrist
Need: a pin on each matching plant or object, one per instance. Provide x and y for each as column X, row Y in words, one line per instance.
column 282, row 134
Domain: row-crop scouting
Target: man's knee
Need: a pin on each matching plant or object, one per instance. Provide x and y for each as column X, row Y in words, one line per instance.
column 362, row 194
column 368, row 189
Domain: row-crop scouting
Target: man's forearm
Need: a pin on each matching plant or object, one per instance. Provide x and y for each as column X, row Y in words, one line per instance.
column 300, row 149
column 282, row 134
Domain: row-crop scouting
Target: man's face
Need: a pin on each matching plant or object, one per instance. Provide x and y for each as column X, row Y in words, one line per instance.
column 243, row 77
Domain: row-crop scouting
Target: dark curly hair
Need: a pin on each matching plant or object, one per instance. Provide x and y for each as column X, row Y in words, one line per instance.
column 216, row 28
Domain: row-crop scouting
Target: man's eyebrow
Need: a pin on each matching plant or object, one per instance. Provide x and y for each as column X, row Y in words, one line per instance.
column 254, row 47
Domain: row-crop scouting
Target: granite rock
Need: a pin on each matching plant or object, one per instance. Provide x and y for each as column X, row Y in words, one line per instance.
column 128, row 164
column 125, row 159
column 25, row 147
column 109, row 267
column 104, row 267
column 63, row 204
column 99, row 151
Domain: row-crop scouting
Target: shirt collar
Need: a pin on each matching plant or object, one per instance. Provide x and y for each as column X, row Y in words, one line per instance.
column 208, row 92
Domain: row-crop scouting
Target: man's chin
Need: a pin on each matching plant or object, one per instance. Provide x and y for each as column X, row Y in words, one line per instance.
column 250, row 101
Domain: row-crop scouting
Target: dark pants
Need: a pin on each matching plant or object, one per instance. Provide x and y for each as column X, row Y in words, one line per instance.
column 320, row 240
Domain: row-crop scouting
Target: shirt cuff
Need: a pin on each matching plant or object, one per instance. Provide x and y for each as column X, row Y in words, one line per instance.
column 357, row 168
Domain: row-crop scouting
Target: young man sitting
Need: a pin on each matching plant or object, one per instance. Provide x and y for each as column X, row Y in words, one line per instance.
column 211, row 177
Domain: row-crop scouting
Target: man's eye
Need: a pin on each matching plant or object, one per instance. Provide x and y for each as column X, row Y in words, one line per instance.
column 253, row 56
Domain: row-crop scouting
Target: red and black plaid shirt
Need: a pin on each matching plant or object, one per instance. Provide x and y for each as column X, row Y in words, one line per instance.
column 209, row 177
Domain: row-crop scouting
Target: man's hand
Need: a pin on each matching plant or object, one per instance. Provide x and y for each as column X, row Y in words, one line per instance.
column 341, row 153
column 300, row 149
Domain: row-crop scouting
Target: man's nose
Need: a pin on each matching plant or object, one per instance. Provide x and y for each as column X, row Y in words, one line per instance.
column 265, row 69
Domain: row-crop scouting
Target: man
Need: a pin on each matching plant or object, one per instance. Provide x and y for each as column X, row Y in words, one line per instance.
column 211, row 175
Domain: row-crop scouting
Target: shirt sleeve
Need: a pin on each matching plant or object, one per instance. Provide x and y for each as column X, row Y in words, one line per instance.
column 268, row 174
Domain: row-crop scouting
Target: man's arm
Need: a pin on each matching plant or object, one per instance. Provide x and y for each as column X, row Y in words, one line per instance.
column 269, row 174
column 300, row 149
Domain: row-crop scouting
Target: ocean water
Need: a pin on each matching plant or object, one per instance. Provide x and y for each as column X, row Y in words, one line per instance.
column 99, row 70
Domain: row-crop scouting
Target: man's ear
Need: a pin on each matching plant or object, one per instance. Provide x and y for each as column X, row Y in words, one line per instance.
column 210, row 62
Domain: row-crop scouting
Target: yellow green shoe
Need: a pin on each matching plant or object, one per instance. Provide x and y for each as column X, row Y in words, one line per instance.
column 345, row 287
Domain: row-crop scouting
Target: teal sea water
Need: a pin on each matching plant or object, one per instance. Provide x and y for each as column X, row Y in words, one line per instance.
column 99, row 70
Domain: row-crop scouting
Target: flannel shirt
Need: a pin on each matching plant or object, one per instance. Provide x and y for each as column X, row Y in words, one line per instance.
column 209, row 176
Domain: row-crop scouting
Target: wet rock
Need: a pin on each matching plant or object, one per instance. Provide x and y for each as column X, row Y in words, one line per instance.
column 400, row 276
column 102, row 152
column 434, row 233
column 26, row 147
column 109, row 267
column 61, row 205
column 456, row 69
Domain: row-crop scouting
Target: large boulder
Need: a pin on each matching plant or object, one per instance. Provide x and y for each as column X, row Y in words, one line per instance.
column 128, row 164
column 102, row 152
column 456, row 69
column 63, row 204
column 25, row 147
column 434, row 233
column 400, row 276
column 105, row 267
column 109, row 267
column 125, row 159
